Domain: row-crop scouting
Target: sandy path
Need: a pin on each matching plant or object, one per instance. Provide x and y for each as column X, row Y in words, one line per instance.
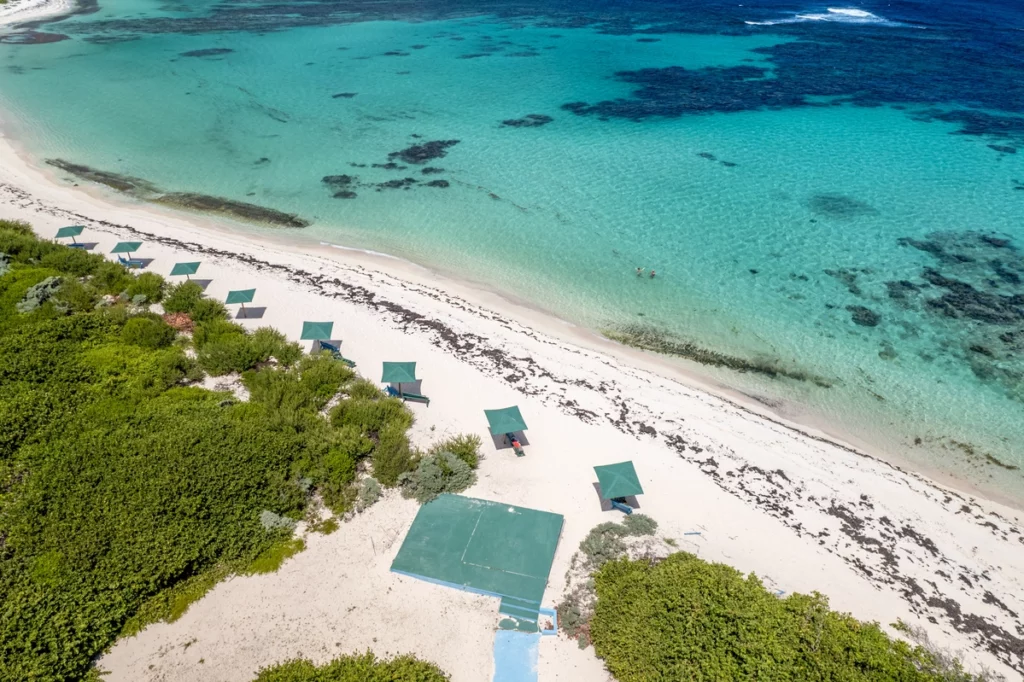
column 802, row 511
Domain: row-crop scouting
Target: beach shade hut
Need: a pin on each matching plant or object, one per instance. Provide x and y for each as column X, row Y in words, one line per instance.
column 507, row 422
column 402, row 373
column 71, row 231
column 241, row 297
column 618, row 481
column 128, row 248
column 184, row 269
column 320, row 333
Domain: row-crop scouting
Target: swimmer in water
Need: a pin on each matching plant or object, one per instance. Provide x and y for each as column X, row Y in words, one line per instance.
column 639, row 272
column 652, row 274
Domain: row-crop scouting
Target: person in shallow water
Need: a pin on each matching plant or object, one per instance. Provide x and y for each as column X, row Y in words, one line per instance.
column 639, row 272
column 652, row 274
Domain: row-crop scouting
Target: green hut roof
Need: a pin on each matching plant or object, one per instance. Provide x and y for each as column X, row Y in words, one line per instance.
column 618, row 480
column 185, row 268
column 507, row 420
column 317, row 331
column 126, row 247
column 70, row 231
column 399, row 372
column 240, row 296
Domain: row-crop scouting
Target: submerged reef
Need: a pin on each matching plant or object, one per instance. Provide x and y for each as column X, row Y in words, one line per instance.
column 651, row 338
column 209, row 52
column 528, row 121
column 421, row 153
column 239, row 210
column 147, row 191
column 973, row 291
column 839, row 206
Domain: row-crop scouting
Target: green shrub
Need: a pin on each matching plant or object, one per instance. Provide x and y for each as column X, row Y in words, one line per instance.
column 74, row 262
column 111, row 278
column 393, row 455
column 182, row 298
column 686, row 619
column 363, row 389
column 434, row 475
column 148, row 284
column 639, row 525
column 270, row 343
column 370, row 416
column 230, row 354
column 603, row 544
column 206, row 309
column 75, row 297
column 212, row 331
column 147, row 332
column 465, row 446
column 369, row 493
column 38, row 294
column 357, row 668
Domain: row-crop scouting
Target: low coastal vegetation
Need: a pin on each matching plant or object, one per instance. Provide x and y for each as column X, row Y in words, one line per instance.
column 653, row 613
column 127, row 491
column 358, row 668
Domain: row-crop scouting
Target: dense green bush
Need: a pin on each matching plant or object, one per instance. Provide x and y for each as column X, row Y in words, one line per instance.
column 393, row 455
column 434, row 475
column 147, row 284
column 206, row 309
column 465, row 446
column 148, row 332
column 182, row 298
column 358, row 668
column 685, row 619
column 213, row 331
column 124, row 495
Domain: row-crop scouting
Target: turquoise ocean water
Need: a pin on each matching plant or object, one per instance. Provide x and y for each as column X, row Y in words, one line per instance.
column 806, row 238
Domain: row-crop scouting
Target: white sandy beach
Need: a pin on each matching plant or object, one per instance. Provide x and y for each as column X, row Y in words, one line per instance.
column 20, row 11
column 803, row 512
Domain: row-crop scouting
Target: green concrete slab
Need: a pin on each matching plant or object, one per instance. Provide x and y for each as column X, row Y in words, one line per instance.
column 481, row 546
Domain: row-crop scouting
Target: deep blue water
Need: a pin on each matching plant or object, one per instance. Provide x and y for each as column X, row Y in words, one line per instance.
column 833, row 198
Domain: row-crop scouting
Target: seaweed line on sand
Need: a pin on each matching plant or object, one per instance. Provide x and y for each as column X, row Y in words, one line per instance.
column 875, row 537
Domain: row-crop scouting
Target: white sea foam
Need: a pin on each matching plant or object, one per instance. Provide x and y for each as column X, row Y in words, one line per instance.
column 842, row 15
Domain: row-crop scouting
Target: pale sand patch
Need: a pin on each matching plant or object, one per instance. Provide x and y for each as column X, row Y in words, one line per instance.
column 802, row 511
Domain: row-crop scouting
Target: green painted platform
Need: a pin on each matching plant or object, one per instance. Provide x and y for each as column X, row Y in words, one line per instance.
column 482, row 546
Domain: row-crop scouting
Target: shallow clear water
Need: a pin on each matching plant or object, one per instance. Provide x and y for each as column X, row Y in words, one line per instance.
column 773, row 231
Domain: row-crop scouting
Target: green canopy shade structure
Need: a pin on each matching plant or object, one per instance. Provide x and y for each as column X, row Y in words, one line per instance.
column 242, row 296
column 618, row 480
column 399, row 373
column 402, row 373
column 126, row 247
column 507, row 420
column 316, row 331
column 184, row 269
column 70, row 231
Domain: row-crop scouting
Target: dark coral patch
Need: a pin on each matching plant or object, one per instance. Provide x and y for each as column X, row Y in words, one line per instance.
column 209, row 52
column 839, row 206
column 528, row 121
column 421, row 153
column 344, row 95
column 865, row 317
column 438, row 183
